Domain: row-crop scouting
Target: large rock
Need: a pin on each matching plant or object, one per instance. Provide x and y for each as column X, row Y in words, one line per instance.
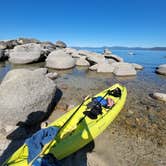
column 84, row 52
column 114, row 57
column 95, row 58
column 82, row 62
column 11, row 44
column 159, row 96
column 25, row 96
column 70, row 51
column 1, row 54
column 124, row 69
column 60, row 60
column 3, row 45
column 27, row 40
column 105, row 68
column 24, row 54
column 137, row 66
column 47, row 47
column 60, row 44
column 161, row 69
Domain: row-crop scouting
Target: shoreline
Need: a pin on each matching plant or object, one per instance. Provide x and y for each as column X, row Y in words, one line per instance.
column 136, row 137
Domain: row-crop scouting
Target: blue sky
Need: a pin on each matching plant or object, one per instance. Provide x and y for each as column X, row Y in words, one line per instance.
column 86, row 22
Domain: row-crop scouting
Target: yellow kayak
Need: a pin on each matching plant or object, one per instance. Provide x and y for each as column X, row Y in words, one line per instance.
column 76, row 129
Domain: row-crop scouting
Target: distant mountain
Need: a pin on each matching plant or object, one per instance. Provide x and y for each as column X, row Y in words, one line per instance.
column 125, row 48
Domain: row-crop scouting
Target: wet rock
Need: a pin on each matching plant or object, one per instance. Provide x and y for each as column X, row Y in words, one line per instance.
column 60, row 44
column 25, row 96
column 82, row 62
column 124, row 69
column 52, row 75
column 27, row 40
column 24, row 54
column 161, row 69
column 60, row 60
column 137, row 66
column 159, row 96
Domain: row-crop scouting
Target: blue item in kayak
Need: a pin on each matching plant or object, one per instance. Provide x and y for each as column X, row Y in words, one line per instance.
column 102, row 101
column 38, row 140
column 47, row 160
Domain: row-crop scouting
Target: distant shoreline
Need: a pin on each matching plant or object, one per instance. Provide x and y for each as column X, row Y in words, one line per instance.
column 125, row 48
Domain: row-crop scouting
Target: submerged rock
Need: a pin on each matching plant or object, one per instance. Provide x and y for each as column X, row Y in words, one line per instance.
column 25, row 96
column 159, row 96
column 24, row 54
column 58, row 59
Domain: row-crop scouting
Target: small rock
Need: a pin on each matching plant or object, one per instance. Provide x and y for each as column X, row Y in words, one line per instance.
column 52, row 75
column 159, row 96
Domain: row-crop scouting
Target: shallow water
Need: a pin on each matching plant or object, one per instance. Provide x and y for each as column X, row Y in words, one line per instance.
column 140, row 127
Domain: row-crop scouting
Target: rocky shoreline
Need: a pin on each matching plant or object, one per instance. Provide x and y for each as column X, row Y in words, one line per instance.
column 30, row 96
